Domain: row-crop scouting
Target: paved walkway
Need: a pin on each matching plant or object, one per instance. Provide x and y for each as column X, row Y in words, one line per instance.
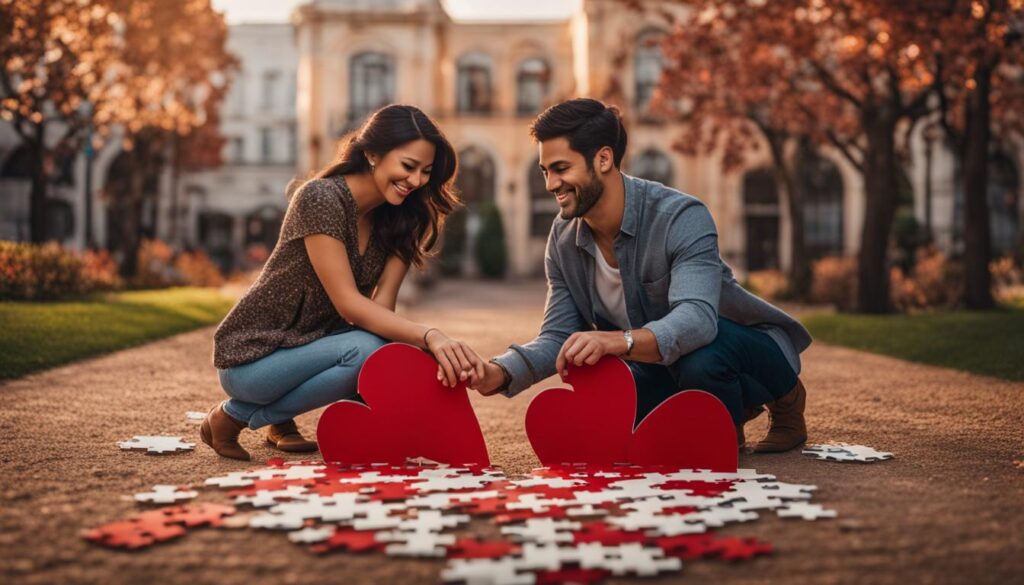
column 948, row 509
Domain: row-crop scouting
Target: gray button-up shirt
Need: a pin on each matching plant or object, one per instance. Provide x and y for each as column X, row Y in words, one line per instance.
column 673, row 278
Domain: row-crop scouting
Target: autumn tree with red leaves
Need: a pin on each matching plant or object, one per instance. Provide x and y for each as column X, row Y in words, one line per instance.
column 847, row 74
column 54, row 58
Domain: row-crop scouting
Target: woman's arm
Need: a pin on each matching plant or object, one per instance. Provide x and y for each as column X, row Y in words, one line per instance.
column 330, row 262
column 390, row 281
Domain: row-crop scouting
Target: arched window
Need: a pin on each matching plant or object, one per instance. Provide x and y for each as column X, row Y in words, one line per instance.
column 20, row 163
column 543, row 205
column 371, row 84
column 476, row 177
column 653, row 165
column 263, row 225
column 761, row 211
column 822, row 188
column 215, row 237
column 473, row 84
column 476, row 184
column 532, row 85
column 647, row 65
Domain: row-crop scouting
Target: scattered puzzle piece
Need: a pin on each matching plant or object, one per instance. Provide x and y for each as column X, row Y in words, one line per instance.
column 846, row 453
column 165, row 494
column 156, row 444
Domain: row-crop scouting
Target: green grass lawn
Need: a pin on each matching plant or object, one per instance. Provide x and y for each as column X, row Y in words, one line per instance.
column 983, row 342
column 38, row 335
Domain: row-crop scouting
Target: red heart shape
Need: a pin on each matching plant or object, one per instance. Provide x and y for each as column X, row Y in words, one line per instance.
column 408, row 413
column 592, row 423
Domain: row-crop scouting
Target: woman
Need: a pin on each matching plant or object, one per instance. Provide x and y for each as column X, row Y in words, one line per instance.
column 325, row 299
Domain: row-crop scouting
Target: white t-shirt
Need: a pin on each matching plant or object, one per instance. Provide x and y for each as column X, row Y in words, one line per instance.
column 611, row 302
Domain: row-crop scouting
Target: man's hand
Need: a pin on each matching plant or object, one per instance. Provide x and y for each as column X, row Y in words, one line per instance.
column 489, row 383
column 586, row 347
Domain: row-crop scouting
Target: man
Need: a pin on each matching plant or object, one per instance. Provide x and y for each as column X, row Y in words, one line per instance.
column 634, row 271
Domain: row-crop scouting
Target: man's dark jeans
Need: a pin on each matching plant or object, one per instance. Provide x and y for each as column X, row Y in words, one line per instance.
column 743, row 367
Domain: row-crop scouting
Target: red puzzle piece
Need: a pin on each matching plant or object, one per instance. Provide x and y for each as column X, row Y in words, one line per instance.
column 408, row 413
column 351, row 540
column 592, row 422
column 472, row 548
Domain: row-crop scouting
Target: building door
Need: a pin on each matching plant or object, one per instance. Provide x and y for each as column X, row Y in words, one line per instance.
column 761, row 210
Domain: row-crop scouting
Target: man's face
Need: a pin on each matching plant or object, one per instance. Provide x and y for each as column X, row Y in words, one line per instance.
column 566, row 174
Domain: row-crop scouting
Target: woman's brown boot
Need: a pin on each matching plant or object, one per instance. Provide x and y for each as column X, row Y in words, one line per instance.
column 220, row 431
column 286, row 437
column 787, row 428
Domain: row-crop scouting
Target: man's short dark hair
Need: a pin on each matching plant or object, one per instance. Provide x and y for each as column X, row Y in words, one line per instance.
column 587, row 124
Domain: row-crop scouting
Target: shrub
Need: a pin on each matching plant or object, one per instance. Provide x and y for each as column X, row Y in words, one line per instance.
column 834, row 281
column 34, row 272
column 491, row 253
column 99, row 271
column 768, row 284
column 196, row 269
column 156, row 269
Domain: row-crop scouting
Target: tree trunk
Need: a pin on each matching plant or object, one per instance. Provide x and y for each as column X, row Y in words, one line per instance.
column 977, row 237
column 131, row 215
column 789, row 186
column 880, row 189
column 37, row 220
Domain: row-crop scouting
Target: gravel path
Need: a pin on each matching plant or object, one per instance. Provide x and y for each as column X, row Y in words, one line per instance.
column 948, row 509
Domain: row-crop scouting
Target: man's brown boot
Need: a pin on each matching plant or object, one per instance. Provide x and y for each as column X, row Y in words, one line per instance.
column 286, row 437
column 749, row 414
column 220, row 431
column 786, row 426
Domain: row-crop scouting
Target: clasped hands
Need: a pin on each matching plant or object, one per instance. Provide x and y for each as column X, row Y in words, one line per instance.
column 457, row 362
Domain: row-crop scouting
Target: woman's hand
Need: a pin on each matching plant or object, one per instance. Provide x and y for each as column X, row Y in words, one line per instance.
column 456, row 361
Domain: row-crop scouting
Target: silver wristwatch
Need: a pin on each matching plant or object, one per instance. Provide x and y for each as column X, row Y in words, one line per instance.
column 628, row 334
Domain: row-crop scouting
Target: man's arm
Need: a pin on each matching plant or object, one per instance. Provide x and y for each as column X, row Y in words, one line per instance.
column 529, row 363
column 694, row 288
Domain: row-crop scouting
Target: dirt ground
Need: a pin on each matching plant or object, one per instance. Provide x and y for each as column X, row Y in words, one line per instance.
column 948, row 509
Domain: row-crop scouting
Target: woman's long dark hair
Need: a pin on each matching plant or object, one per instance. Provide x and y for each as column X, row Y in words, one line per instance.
column 409, row 230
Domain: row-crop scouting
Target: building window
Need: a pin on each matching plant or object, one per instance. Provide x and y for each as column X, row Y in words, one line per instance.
column 761, row 215
column 1003, row 204
column 822, row 187
column 647, row 65
column 532, row 85
column 543, row 205
column 237, row 149
column 474, row 84
column 238, row 94
column 271, row 81
column 652, row 165
column 371, row 85
column 266, row 144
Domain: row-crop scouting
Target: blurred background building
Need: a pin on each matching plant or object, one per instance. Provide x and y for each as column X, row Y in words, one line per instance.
column 304, row 84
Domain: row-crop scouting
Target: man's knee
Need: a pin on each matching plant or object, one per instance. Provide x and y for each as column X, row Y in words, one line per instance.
column 704, row 366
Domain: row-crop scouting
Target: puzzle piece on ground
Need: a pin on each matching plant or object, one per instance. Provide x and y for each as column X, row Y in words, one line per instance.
column 349, row 539
column 805, row 511
column 846, row 453
column 310, row 535
column 159, row 525
column 195, row 417
column 156, row 444
column 165, row 494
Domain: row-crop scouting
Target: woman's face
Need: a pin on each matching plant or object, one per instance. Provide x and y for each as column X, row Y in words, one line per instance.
column 404, row 169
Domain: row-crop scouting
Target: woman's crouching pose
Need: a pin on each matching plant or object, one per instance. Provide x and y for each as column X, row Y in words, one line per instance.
column 325, row 299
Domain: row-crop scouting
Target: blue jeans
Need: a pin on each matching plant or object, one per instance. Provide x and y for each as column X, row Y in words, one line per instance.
column 742, row 367
column 294, row 380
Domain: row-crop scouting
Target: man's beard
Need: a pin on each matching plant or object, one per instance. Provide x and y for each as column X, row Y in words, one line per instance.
column 586, row 197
